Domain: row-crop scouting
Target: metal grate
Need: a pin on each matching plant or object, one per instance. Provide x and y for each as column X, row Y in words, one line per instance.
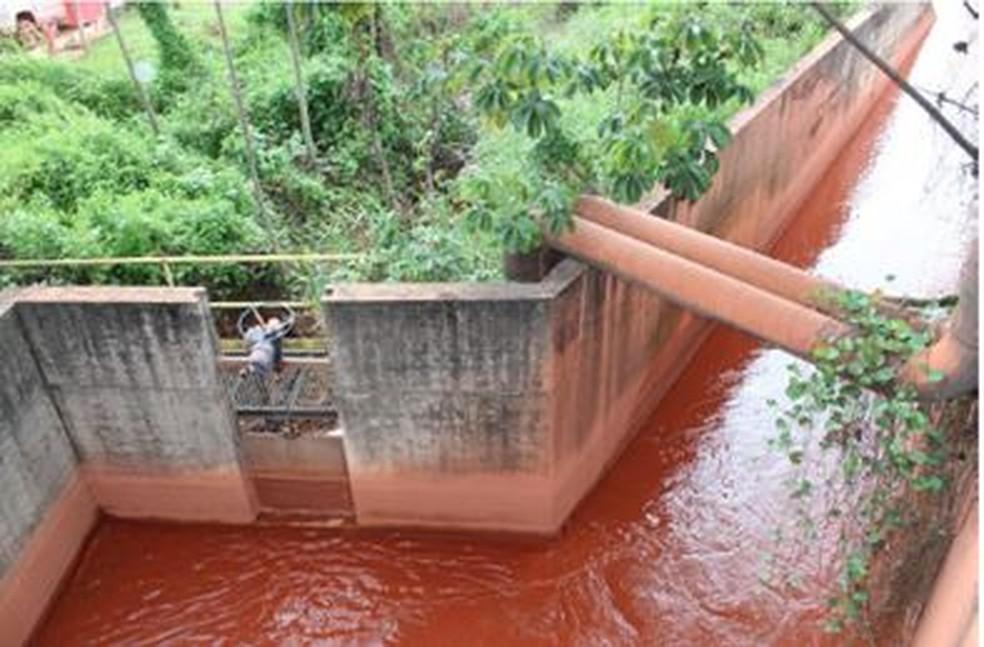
column 298, row 395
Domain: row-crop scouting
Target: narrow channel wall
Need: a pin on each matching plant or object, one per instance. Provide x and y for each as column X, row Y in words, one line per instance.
column 499, row 406
column 786, row 141
column 133, row 374
column 46, row 510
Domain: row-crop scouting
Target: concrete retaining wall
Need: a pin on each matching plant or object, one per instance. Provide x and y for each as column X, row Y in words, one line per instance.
column 109, row 399
column 45, row 509
column 133, row 374
column 499, row 406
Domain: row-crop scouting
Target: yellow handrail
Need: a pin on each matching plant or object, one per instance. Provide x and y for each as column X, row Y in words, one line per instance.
column 242, row 305
column 175, row 260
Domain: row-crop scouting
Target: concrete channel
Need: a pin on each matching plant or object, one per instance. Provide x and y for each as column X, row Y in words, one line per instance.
column 491, row 407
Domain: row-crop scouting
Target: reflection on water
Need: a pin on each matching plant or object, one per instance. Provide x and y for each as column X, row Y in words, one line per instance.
column 666, row 550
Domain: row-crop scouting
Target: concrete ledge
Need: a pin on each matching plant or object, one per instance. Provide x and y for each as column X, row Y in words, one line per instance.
column 109, row 343
column 431, row 292
column 31, row 583
column 388, row 293
column 110, row 295
column 146, row 492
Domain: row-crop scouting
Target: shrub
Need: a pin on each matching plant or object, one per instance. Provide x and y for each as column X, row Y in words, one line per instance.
column 24, row 100
column 109, row 96
column 73, row 185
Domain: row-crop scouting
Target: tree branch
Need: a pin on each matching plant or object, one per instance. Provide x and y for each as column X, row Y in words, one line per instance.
column 970, row 9
column 880, row 63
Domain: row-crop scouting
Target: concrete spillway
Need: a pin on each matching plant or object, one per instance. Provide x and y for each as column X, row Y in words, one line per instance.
column 466, row 407
column 666, row 550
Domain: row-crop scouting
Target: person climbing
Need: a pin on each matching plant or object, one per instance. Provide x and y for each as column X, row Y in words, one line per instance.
column 265, row 342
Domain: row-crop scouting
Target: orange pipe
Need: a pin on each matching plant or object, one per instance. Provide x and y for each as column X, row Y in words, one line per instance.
column 726, row 257
column 758, row 312
column 955, row 355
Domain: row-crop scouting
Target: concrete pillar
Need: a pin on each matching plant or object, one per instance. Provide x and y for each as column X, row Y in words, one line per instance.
column 441, row 392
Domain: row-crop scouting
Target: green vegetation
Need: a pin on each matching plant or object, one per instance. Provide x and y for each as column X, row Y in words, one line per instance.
column 862, row 445
column 661, row 84
column 415, row 169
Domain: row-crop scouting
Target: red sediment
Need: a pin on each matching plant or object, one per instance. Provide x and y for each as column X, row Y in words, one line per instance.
column 290, row 490
column 28, row 587
column 218, row 494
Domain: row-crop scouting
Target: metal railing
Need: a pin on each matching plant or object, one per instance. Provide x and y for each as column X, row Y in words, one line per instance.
column 165, row 262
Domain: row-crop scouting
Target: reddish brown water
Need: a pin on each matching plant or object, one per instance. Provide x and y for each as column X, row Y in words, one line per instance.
column 666, row 550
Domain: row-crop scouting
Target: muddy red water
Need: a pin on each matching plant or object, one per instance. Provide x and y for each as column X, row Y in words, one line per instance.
column 666, row 550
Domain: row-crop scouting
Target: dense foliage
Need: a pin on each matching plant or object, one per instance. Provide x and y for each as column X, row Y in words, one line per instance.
column 85, row 187
column 445, row 134
column 666, row 79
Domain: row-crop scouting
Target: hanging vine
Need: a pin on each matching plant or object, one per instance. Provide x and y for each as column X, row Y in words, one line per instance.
column 860, row 442
column 178, row 61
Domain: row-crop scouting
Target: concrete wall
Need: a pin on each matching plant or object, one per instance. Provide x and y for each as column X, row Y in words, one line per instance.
column 109, row 399
column 785, row 142
column 45, row 509
column 133, row 374
column 499, row 406
column 445, row 389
